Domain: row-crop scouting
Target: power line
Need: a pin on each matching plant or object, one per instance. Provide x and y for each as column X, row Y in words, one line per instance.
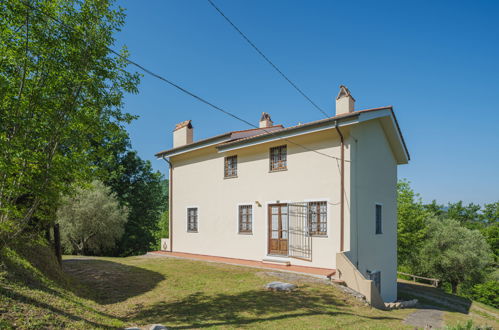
column 182, row 89
column 267, row 59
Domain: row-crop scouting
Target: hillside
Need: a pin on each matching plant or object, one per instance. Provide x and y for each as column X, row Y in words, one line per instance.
column 139, row 291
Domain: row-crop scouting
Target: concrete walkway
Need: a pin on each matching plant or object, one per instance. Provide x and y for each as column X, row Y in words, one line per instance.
column 425, row 318
column 318, row 272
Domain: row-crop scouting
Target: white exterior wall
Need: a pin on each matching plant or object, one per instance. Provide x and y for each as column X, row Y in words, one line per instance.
column 374, row 179
column 198, row 181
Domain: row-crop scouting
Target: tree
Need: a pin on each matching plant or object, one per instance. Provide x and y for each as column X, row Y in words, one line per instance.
column 411, row 224
column 139, row 187
column 467, row 215
column 61, row 99
column 454, row 253
column 91, row 220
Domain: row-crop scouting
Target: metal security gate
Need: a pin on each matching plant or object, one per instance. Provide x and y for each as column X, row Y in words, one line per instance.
column 300, row 241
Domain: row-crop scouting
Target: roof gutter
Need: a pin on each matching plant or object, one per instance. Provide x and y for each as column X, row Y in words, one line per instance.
column 342, row 188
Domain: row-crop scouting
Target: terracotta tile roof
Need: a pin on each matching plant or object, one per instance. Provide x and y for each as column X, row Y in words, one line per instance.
column 342, row 116
column 234, row 137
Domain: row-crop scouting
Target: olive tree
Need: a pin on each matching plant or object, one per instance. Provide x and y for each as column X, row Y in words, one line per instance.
column 91, row 220
column 454, row 253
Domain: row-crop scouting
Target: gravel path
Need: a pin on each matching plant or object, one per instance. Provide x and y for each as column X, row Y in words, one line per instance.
column 425, row 318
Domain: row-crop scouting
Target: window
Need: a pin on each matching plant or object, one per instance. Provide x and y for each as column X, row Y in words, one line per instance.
column 192, row 219
column 379, row 229
column 317, row 218
column 245, row 219
column 278, row 157
column 230, row 167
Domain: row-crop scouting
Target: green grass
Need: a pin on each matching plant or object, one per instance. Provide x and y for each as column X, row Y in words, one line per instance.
column 139, row 291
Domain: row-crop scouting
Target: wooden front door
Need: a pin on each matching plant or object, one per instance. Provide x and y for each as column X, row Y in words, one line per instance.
column 278, row 229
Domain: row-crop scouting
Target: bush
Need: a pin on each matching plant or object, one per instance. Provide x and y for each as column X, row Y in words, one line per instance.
column 487, row 293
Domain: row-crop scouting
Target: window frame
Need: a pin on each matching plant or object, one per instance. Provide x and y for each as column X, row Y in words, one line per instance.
column 249, row 207
column 228, row 175
column 318, row 232
column 380, row 207
column 282, row 160
column 196, row 219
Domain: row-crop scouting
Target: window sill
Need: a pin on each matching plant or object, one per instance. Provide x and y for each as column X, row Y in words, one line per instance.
column 192, row 231
column 245, row 233
column 279, row 170
column 230, row 177
column 318, row 235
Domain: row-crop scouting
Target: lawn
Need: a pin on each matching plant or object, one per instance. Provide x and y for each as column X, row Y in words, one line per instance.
column 192, row 294
column 179, row 293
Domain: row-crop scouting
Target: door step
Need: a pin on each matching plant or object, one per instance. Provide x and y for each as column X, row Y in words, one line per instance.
column 276, row 261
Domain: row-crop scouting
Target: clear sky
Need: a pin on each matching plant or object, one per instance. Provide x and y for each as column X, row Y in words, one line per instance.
column 436, row 62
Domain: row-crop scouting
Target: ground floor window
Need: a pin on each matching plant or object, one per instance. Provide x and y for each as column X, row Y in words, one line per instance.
column 245, row 219
column 317, row 218
column 192, row 219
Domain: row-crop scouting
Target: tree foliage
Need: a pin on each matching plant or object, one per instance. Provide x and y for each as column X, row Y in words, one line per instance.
column 92, row 220
column 454, row 253
column 139, row 187
column 411, row 228
column 61, row 99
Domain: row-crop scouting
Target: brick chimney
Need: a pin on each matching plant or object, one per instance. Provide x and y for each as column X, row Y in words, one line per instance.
column 265, row 120
column 344, row 101
column 183, row 134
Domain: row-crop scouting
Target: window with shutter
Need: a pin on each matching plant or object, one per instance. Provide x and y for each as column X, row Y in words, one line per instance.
column 379, row 228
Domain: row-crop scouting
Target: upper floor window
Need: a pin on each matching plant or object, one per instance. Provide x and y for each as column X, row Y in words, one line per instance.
column 379, row 228
column 245, row 219
column 278, row 158
column 317, row 218
column 230, row 167
column 192, row 219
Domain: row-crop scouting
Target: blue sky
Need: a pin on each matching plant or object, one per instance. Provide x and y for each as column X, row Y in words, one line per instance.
column 436, row 62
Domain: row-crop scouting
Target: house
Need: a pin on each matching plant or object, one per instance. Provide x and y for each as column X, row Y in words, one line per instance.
column 320, row 194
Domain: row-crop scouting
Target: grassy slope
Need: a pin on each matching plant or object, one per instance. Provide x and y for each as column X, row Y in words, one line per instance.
column 36, row 294
column 119, row 292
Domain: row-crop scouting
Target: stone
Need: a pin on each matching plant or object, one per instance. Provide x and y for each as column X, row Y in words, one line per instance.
column 132, row 328
column 280, row 286
column 158, row 327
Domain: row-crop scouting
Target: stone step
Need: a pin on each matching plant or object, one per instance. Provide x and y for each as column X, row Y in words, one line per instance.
column 276, row 261
column 339, row 282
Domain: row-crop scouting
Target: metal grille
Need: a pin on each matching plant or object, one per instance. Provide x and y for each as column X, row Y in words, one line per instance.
column 230, row 167
column 245, row 218
column 300, row 240
column 192, row 219
column 278, row 158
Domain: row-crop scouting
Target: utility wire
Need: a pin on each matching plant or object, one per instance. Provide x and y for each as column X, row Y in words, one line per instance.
column 197, row 97
column 266, row 58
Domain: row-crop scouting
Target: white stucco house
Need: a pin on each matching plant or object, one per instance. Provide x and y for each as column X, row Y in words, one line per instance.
column 319, row 194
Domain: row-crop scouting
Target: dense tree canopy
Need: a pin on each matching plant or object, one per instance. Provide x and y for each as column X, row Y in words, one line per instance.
column 140, row 188
column 61, row 99
column 92, row 220
column 454, row 253
column 411, row 224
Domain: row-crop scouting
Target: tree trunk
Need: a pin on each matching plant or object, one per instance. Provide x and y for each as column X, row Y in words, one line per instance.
column 57, row 243
column 454, row 285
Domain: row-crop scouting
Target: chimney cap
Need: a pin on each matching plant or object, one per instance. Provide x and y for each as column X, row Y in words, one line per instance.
column 183, row 124
column 344, row 92
column 265, row 116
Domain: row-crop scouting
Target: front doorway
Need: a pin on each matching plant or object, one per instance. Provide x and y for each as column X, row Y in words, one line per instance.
column 278, row 229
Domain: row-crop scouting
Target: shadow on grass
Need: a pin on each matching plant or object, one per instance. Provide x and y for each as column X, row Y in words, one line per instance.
column 108, row 282
column 434, row 298
column 199, row 310
column 46, row 306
